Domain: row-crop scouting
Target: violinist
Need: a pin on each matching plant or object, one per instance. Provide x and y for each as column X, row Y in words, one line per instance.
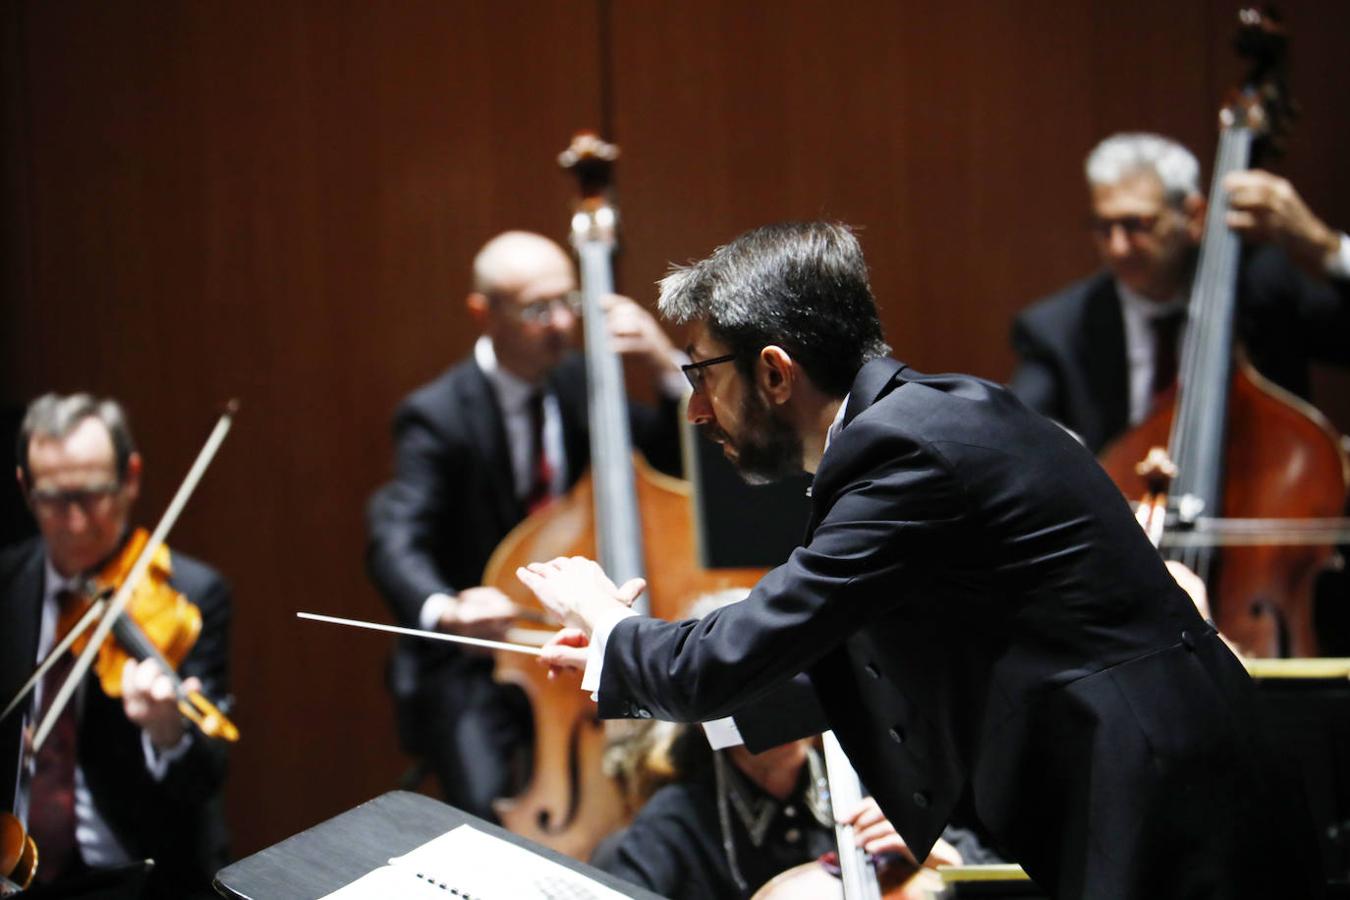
column 975, row 608
column 1096, row 354
column 718, row 821
column 477, row 449
column 732, row 820
column 119, row 779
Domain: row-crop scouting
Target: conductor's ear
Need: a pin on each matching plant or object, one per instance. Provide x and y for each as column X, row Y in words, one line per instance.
column 776, row 370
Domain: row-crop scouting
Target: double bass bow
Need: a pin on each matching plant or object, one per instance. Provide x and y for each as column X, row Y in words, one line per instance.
column 1243, row 449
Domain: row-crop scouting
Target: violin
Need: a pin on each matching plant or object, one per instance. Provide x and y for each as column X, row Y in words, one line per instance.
column 18, row 855
column 159, row 623
column 852, row 874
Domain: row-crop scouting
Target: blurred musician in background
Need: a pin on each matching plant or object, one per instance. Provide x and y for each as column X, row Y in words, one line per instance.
column 118, row 779
column 1095, row 354
column 487, row 442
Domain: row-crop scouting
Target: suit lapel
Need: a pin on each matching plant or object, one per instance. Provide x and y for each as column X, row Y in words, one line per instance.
column 483, row 417
column 21, row 596
column 1104, row 359
column 18, row 642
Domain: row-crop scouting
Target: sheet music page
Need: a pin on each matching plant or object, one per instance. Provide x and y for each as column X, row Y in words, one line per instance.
column 469, row 864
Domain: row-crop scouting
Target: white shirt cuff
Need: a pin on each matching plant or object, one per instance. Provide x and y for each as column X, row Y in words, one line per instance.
column 432, row 609
column 595, row 659
column 723, row 733
column 157, row 762
column 1338, row 263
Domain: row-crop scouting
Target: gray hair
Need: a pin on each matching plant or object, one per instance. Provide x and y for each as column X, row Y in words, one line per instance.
column 1122, row 155
column 800, row 285
column 55, row 416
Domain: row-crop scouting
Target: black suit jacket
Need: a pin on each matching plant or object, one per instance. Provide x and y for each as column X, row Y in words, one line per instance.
column 978, row 611
column 1072, row 344
column 179, row 821
column 452, row 500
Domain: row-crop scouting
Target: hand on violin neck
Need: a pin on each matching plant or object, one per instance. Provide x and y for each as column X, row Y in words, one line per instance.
column 479, row 612
column 1266, row 207
column 578, row 592
column 150, row 701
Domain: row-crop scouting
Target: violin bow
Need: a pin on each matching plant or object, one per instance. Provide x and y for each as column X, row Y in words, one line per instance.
column 427, row 635
column 123, row 595
column 94, row 610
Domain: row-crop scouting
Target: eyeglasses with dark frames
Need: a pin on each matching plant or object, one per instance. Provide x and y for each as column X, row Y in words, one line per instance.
column 541, row 310
column 1102, row 226
column 50, row 502
column 694, row 371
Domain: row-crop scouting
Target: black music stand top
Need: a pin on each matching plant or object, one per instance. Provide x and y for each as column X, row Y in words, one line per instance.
column 322, row 859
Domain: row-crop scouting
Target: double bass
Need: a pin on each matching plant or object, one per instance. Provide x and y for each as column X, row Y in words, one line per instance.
column 636, row 521
column 1242, row 447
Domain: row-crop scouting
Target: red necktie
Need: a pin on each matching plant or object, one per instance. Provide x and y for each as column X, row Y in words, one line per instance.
column 541, row 477
column 51, row 814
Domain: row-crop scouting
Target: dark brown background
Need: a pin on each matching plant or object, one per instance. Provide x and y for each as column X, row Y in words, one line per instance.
column 278, row 202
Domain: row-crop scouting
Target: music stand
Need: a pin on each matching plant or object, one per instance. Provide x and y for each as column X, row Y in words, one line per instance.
column 334, row 853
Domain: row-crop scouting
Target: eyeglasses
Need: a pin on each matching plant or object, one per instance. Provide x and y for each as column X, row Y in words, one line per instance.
column 541, row 310
column 694, row 371
column 50, row 502
column 1102, row 226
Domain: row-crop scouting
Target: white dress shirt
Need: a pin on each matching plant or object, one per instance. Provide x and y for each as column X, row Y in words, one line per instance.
column 1139, row 312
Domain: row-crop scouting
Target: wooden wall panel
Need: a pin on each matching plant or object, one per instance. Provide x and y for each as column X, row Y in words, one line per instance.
column 278, row 201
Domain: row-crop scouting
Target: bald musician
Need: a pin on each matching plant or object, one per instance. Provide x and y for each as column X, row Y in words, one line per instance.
column 495, row 436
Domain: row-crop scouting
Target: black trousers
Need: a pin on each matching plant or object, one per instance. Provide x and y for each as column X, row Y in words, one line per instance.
column 475, row 734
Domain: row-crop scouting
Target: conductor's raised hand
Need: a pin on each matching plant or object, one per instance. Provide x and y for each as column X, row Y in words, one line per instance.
column 577, row 591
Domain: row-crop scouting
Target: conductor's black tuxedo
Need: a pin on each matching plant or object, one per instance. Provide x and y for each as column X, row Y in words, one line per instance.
column 178, row 822
column 432, row 529
column 1072, row 344
column 978, row 611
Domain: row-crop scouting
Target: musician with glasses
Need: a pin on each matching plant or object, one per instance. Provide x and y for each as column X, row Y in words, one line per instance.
column 119, row 779
column 1096, row 354
column 493, row 438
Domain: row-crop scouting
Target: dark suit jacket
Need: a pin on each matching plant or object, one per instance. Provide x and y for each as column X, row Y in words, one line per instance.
column 453, row 499
column 1072, row 344
column 179, row 821
column 978, row 611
